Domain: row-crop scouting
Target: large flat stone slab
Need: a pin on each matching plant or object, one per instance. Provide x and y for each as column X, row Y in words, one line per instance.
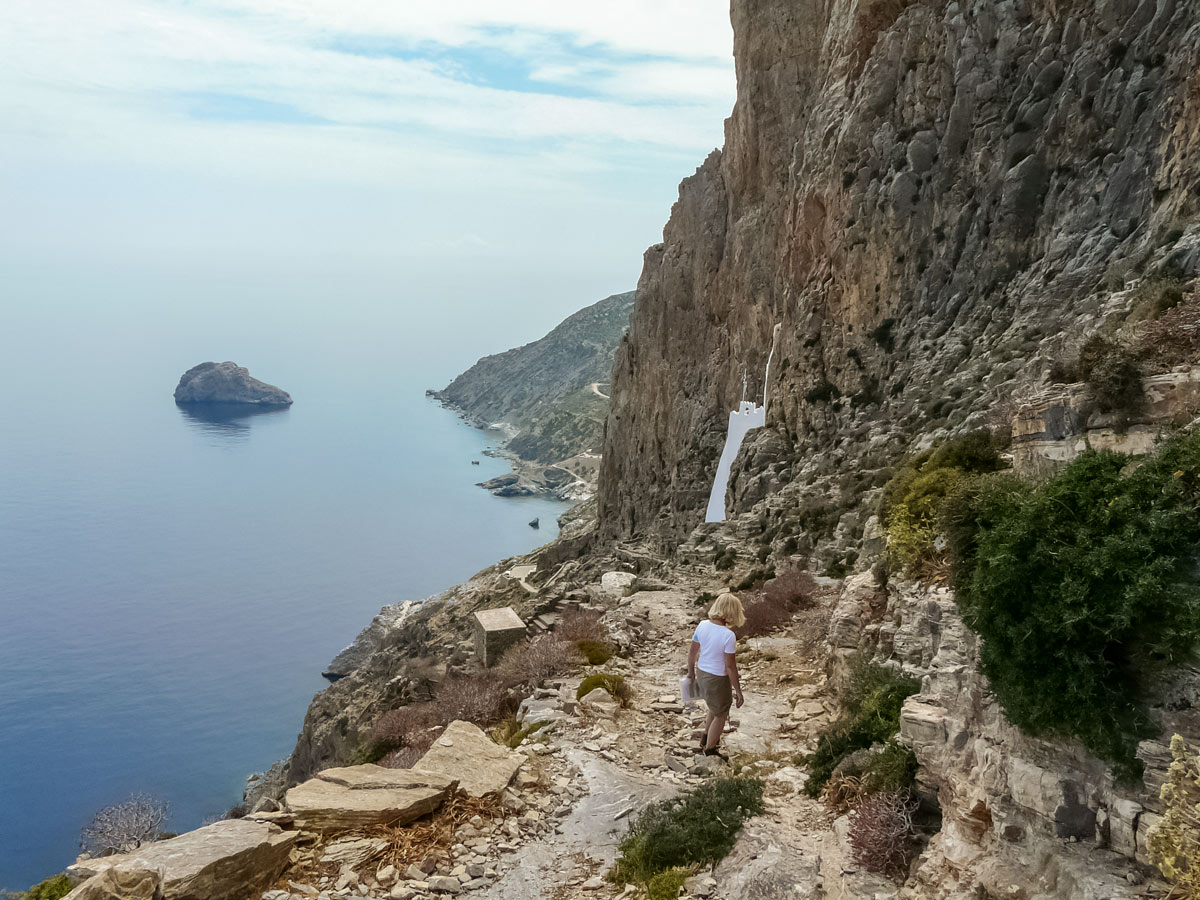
column 233, row 858
column 361, row 796
column 480, row 765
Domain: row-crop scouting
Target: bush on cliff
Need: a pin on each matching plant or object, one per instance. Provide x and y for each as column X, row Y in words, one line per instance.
column 871, row 715
column 698, row 827
column 1078, row 585
column 910, row 507
column 53, row 888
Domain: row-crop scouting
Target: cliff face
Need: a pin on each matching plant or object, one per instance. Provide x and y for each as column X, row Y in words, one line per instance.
column 551, row 392
column 935, row 200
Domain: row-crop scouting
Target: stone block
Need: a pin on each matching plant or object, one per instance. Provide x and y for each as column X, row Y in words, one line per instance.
column 495, row 631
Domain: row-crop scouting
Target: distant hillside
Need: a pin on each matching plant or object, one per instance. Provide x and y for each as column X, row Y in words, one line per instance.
column 553, row 392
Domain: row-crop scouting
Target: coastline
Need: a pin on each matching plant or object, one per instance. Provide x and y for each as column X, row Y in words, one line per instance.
column 527, row 478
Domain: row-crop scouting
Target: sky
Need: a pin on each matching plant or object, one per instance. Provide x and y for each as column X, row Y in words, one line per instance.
column 506, row 161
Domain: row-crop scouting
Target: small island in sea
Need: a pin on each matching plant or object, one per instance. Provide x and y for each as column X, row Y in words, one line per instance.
column 227, row 382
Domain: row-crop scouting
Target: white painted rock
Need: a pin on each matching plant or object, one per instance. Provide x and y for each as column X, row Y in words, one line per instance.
column 361, row 796
column 465, row 754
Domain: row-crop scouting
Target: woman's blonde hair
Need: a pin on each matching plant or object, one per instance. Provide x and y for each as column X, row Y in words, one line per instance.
column 729, row 608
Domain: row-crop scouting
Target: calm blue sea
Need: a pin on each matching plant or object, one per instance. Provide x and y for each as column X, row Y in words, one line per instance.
column 171, row 586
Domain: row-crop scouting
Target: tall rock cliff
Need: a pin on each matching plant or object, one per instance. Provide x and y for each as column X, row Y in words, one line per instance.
column 936, row 200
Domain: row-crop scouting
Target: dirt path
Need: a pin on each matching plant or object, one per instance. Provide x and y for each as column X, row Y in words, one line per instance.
column 646, row 752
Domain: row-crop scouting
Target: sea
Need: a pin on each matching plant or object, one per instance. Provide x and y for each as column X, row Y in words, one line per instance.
column 172, row 582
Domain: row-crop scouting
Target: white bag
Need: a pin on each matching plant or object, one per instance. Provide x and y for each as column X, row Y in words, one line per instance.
column 685, row 691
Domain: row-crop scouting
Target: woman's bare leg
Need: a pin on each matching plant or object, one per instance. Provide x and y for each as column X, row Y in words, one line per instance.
column 716, row 726
column 708, row 720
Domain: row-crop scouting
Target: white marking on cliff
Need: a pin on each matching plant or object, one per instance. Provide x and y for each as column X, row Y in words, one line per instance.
column 742, row 421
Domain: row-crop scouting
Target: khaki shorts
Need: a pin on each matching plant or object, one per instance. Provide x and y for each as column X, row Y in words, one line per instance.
column 716, row 690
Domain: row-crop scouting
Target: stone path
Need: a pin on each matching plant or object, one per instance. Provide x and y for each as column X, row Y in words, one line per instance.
column 590, row 772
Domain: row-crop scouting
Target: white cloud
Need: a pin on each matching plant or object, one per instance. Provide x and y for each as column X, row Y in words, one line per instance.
column 546, row 135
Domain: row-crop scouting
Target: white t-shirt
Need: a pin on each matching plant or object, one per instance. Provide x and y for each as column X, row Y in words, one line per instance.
column 715, row 641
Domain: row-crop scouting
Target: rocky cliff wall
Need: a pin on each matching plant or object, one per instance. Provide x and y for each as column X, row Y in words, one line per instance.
column 934, row 199
column 1021, row 817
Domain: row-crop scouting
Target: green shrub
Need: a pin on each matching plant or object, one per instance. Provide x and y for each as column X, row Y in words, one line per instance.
column 1113, row 374
column 666, row 885
column 883, row 336
column 725, row 559
column 825, row 392
column 511, row 734
column 892, row 769
column 616, row 686
column 910, row 507
column 53, row 888
column 697, row 828
column 597, row 653
column 1077, row 585
column 871, row 715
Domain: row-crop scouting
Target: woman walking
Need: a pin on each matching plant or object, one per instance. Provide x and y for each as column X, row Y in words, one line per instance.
column 712, row 667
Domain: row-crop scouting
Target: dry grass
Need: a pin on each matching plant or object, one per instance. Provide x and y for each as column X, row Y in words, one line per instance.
column 581, row 625
column 434, row 835
column 776, row 602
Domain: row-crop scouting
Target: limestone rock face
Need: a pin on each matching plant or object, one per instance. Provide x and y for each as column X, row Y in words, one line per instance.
column 361, row 796
column 227, row 382
column 231, row 858
column 935, row 200
column 464, row 753
column 1020, row 816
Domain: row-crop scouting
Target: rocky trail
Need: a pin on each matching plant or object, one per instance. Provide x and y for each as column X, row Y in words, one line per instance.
column 554, row 832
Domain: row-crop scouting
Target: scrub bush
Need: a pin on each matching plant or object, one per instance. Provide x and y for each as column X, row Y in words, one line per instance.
column 531, row 662
column 53, row 888
column 1113, row 374
column 597, row 653
column 871, row 715
column 666, row 885
column 581, row 625
column 124, row 827
column 1078, row 585
column 512, row 734
column 699, row 827
column 910, row 506
column 882, row 835
column 1174, row 841
column 616, row 686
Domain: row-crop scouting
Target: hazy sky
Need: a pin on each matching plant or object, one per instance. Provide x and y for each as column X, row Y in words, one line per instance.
column 491, row 155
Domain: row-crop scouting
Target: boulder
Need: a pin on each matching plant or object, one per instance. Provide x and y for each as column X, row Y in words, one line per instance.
column 126, row 884
column 464, row 753
column 227, row 382
column 235, row 857
column 614, row 583
column 361, row 796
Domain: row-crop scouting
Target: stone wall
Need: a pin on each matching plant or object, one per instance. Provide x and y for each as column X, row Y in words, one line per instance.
column 1022, row 817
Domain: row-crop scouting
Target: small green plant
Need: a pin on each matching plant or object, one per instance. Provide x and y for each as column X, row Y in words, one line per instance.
column 910, row 507
column 1079, row 586
column 616, row 686
column 871, row 715
column 1113, row 374
column 892, row 769
column 705, row 599
column 699, row 827
column 883, row 335
column 666, row 885
column 53, row 888
column 825, row 392
column 512, row 734
column 597, row 653
column 1174, row 840
column 725, row 559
